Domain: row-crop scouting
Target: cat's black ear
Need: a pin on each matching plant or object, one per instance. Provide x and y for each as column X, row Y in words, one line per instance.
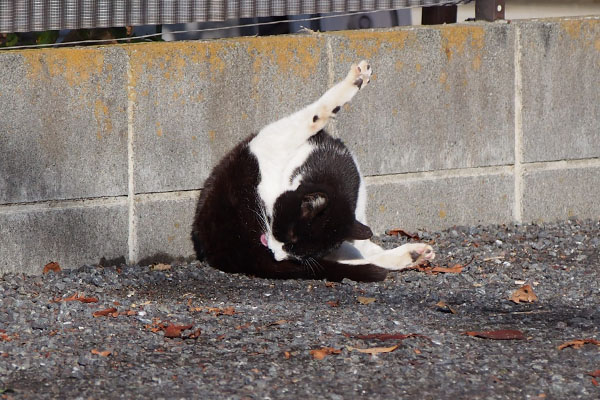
column 313, row 204
column 360, row 231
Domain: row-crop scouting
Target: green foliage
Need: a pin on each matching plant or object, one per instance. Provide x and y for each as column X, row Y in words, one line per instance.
column 46, row 37
column 9, row 39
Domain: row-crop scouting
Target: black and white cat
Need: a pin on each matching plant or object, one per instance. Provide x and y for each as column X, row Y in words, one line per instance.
column 289, row 202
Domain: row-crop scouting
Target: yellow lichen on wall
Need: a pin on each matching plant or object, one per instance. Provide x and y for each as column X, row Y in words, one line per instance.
column 368, row 44
column 82, row 70
column 173, row 60
column 103, row 119
column 298, row 55
column 169, row 58
column 456, row 39
column 75, row 66
column 584, row 31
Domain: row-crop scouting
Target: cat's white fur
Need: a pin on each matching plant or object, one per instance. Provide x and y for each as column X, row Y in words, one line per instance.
column 282, row 146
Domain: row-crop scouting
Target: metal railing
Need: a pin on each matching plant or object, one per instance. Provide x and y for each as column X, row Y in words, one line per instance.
column 46, row 15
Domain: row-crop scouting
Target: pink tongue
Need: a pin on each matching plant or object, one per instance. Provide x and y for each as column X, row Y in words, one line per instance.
column 263, row 240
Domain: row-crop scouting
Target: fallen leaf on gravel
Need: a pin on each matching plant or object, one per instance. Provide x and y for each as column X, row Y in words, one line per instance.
column 214, row 310
column 503, row 334
column 374, row 350
column 321, row 353
column 104, row 313
column 329, row 284
column 51, row 266
column 365, row 300
column 595, row 382
column 4, row 337
column 194, row 335
column 443, row 307
column 456, row 269
column 104, row 353
column 578, row 343
column 332, row 303
column 221, row 311
column 400, row 232
column 161, row 267
column 76, row 297
column 524, row 294
column 174, row 331
column 287, row 355
column 595, row 374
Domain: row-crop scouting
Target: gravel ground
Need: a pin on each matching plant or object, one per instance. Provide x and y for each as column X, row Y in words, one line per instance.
column 246, row 338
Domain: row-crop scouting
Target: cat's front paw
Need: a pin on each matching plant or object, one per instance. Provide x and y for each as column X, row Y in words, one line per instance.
column 421, row 253
column 360, row 74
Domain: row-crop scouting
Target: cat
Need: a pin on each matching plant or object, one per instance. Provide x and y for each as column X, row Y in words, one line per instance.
column 289, row 202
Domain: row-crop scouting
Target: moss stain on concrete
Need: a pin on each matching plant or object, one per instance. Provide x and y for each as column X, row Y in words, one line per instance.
column 584, row 31
column 460, row 39
column 290, row 54
column 366, row 44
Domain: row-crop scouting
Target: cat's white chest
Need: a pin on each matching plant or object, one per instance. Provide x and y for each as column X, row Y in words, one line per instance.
column 277, row 166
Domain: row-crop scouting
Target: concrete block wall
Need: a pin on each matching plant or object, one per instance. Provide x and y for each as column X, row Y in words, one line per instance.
column 105, row 149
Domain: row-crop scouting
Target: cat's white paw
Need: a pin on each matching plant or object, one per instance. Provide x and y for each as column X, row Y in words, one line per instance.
column 421, row 253
column 360, row 74
column 405, row 256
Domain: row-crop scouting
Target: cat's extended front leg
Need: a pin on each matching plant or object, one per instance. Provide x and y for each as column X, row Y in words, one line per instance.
column 402, row 257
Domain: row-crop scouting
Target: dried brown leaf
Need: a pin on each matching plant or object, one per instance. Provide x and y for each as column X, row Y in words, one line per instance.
column 174, row 331
column 456, row 269
column 524, row 294
column 443, row 307
column 400, row 232
column 104, row 353
column 502, row 334
column 595, row 374
column 214, row 310
column 76, row 297
column 194, row 335
column 333, row 303
column 51, row 266
column 104, row 313
column 374, row 350
column 319, row 354
column 365, row 300
column 578, row 343
column 329, row 284
column 161, row 267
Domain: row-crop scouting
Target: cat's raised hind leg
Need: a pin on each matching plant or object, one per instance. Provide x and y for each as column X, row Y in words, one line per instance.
column 334, row 99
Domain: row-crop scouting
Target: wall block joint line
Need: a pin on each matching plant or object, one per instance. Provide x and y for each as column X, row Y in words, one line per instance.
column 518, row 105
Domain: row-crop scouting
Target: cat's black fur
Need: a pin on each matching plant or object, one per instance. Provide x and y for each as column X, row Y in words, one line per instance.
column 227, row 227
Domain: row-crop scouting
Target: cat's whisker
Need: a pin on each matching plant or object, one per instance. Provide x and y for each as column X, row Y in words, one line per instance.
column 306, row 262
column 315, row 266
